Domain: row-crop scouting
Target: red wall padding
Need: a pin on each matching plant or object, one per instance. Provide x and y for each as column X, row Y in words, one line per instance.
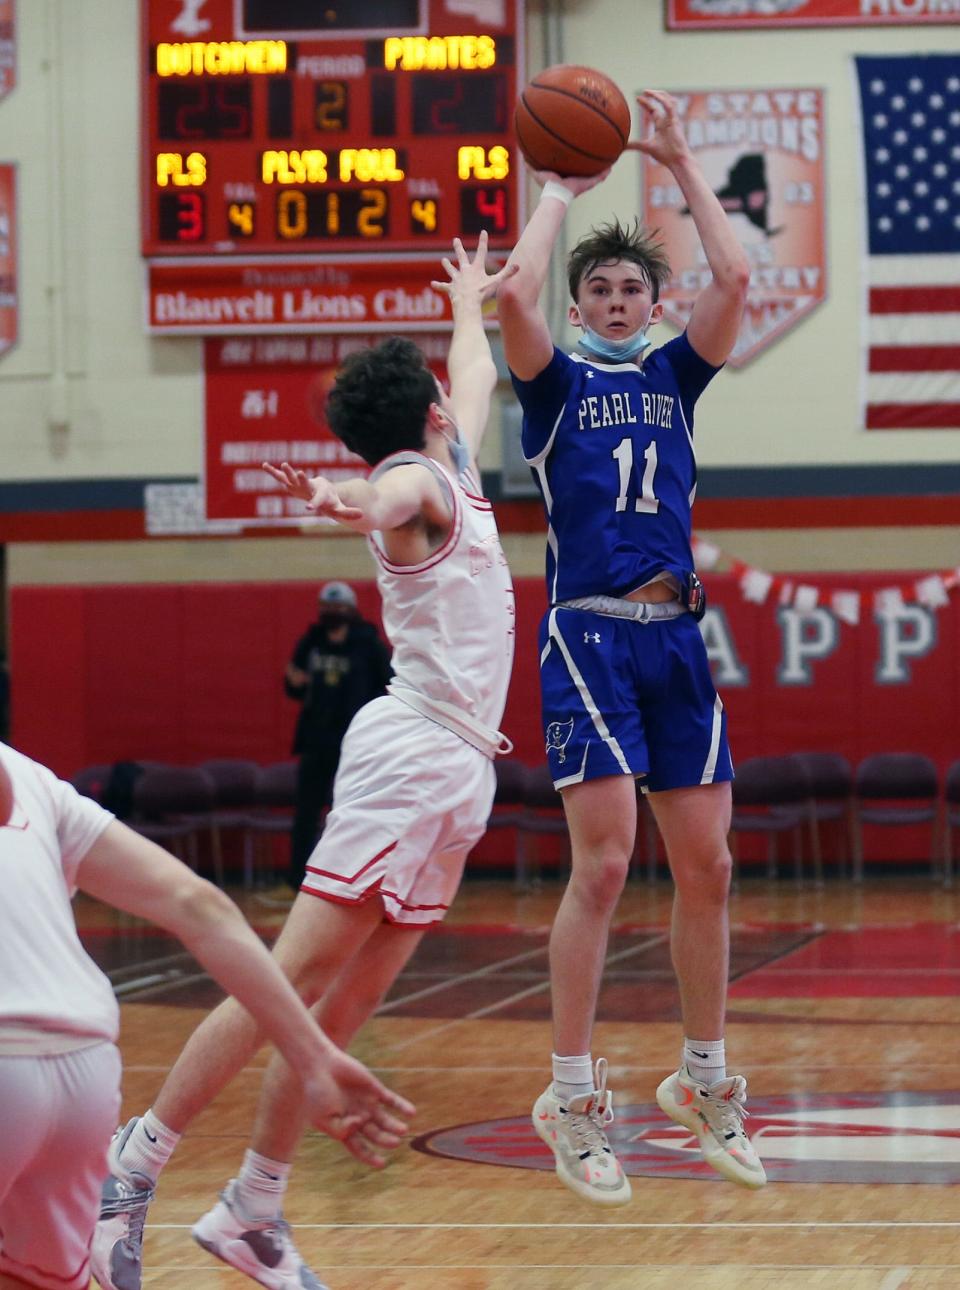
column 182, row 673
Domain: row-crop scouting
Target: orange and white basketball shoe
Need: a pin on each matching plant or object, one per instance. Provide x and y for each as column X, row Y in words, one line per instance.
column 715, row 1114
column 261, row 1248
column 574, row 1132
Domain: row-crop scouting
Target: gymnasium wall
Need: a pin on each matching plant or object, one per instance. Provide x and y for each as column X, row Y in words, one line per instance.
column 181, row 673
column 92, row 409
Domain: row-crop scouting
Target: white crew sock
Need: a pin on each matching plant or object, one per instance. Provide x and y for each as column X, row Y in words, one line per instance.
column 261, row 1185
column 149, row 1147
column 572, row 1076
column 705, row 1059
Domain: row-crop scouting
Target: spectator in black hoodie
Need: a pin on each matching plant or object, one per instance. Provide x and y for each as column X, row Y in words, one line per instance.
column 339, row 664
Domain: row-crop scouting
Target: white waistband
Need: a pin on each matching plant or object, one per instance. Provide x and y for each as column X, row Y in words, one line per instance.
column 489, row 742
column 640, row 611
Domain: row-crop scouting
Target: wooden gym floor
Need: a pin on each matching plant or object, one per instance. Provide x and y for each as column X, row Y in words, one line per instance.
column 843, row 1015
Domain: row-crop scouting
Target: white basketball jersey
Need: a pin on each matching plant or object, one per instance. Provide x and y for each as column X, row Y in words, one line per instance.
column 451, row 619
column 52, row 995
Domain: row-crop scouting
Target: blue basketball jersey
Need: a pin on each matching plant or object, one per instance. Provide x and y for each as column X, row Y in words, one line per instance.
column 611, row 448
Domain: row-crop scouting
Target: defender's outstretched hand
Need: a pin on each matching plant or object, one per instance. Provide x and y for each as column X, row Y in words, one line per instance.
column 663, row 137
column 320, row 495
column 469, row 278
column 347, row 1102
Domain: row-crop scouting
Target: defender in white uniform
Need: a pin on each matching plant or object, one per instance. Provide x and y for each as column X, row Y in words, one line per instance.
column 415, row 783
column 59, row 1065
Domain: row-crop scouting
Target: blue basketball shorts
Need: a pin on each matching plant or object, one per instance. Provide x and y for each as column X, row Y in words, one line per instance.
column 626, row 698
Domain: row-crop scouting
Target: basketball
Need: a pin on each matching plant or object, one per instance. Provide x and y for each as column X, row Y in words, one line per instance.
column 572, row 120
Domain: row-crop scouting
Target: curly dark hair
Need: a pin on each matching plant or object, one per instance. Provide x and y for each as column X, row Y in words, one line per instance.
column 379, row 401
column 612, row 241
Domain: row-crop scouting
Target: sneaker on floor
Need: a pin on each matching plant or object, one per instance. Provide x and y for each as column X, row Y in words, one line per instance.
column 262, row 1248
column 574, row 1132
column 715, row 1114
column 116, row 1255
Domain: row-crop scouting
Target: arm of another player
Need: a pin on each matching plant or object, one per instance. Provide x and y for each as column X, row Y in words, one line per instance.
column 473, row 373
column 715, row 321
column 527, row 342
column 135, row 875
column 401, row 495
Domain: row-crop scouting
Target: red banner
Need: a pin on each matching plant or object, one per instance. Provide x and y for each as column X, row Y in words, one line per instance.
column 264, row 399
column 333, row 294
column 8, row 48
column 685, row 15
column 9, row 301
column 762, row 153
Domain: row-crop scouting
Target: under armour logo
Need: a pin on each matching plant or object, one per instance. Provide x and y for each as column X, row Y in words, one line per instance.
column 591, row 636
column 589, row 375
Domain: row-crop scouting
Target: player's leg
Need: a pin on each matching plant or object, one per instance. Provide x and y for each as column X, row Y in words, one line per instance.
column 316, row 939
column 571, row 1113
column 56, row 1116
column 601, row 817
column 689, row 783
column 694, row 823
column 246, row 1226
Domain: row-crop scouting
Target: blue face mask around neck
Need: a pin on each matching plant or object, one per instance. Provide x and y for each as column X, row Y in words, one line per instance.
column 615, row 351
column 458, row 450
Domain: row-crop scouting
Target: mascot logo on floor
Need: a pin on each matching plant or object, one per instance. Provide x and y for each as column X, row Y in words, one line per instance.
column 829, row 1137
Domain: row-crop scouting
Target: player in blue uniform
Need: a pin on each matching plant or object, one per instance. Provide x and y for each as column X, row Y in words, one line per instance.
column 626, row 687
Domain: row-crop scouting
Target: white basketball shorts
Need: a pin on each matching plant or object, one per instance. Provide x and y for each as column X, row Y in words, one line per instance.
column 409, row 802
column 57, row 1115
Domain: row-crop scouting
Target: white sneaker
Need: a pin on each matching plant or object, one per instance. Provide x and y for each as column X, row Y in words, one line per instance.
column 574, row 1132
column 715, row 1114
column 116, row 1252
column 262, row 1248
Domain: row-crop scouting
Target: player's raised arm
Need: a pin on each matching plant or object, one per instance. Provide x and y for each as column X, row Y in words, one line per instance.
column 527, row 342
column 472, row 371
column 717, row 312
column 397, row 497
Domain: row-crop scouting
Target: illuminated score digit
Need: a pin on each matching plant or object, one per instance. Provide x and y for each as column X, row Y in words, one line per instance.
column 474, row 162
column 372, row 212
column 240, row 218
column 330, row 112
column 333, row 214
column 492, row 206
column 424, row 215
column 292, row 215
column 181, row 171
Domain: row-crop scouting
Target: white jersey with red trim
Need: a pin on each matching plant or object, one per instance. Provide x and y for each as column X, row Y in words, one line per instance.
column 52, row 995
column 451, row 618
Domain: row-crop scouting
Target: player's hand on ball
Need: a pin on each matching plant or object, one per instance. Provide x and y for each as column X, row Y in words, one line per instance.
column 663, row 137
column 575, row 184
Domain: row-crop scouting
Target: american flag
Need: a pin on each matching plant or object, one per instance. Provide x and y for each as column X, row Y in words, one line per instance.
column 910, row 114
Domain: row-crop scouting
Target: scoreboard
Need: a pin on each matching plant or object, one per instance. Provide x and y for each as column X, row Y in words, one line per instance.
column 293, row 127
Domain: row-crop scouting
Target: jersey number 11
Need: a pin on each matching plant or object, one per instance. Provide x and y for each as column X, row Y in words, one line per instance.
column 647, row 503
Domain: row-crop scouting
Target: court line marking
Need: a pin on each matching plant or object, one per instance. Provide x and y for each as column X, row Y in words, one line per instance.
column 448, row 982
column 539, row 988
column 895, row 1278
column 603, row 1227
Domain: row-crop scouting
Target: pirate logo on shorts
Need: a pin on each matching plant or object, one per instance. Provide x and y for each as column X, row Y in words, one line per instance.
column 558, row 736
